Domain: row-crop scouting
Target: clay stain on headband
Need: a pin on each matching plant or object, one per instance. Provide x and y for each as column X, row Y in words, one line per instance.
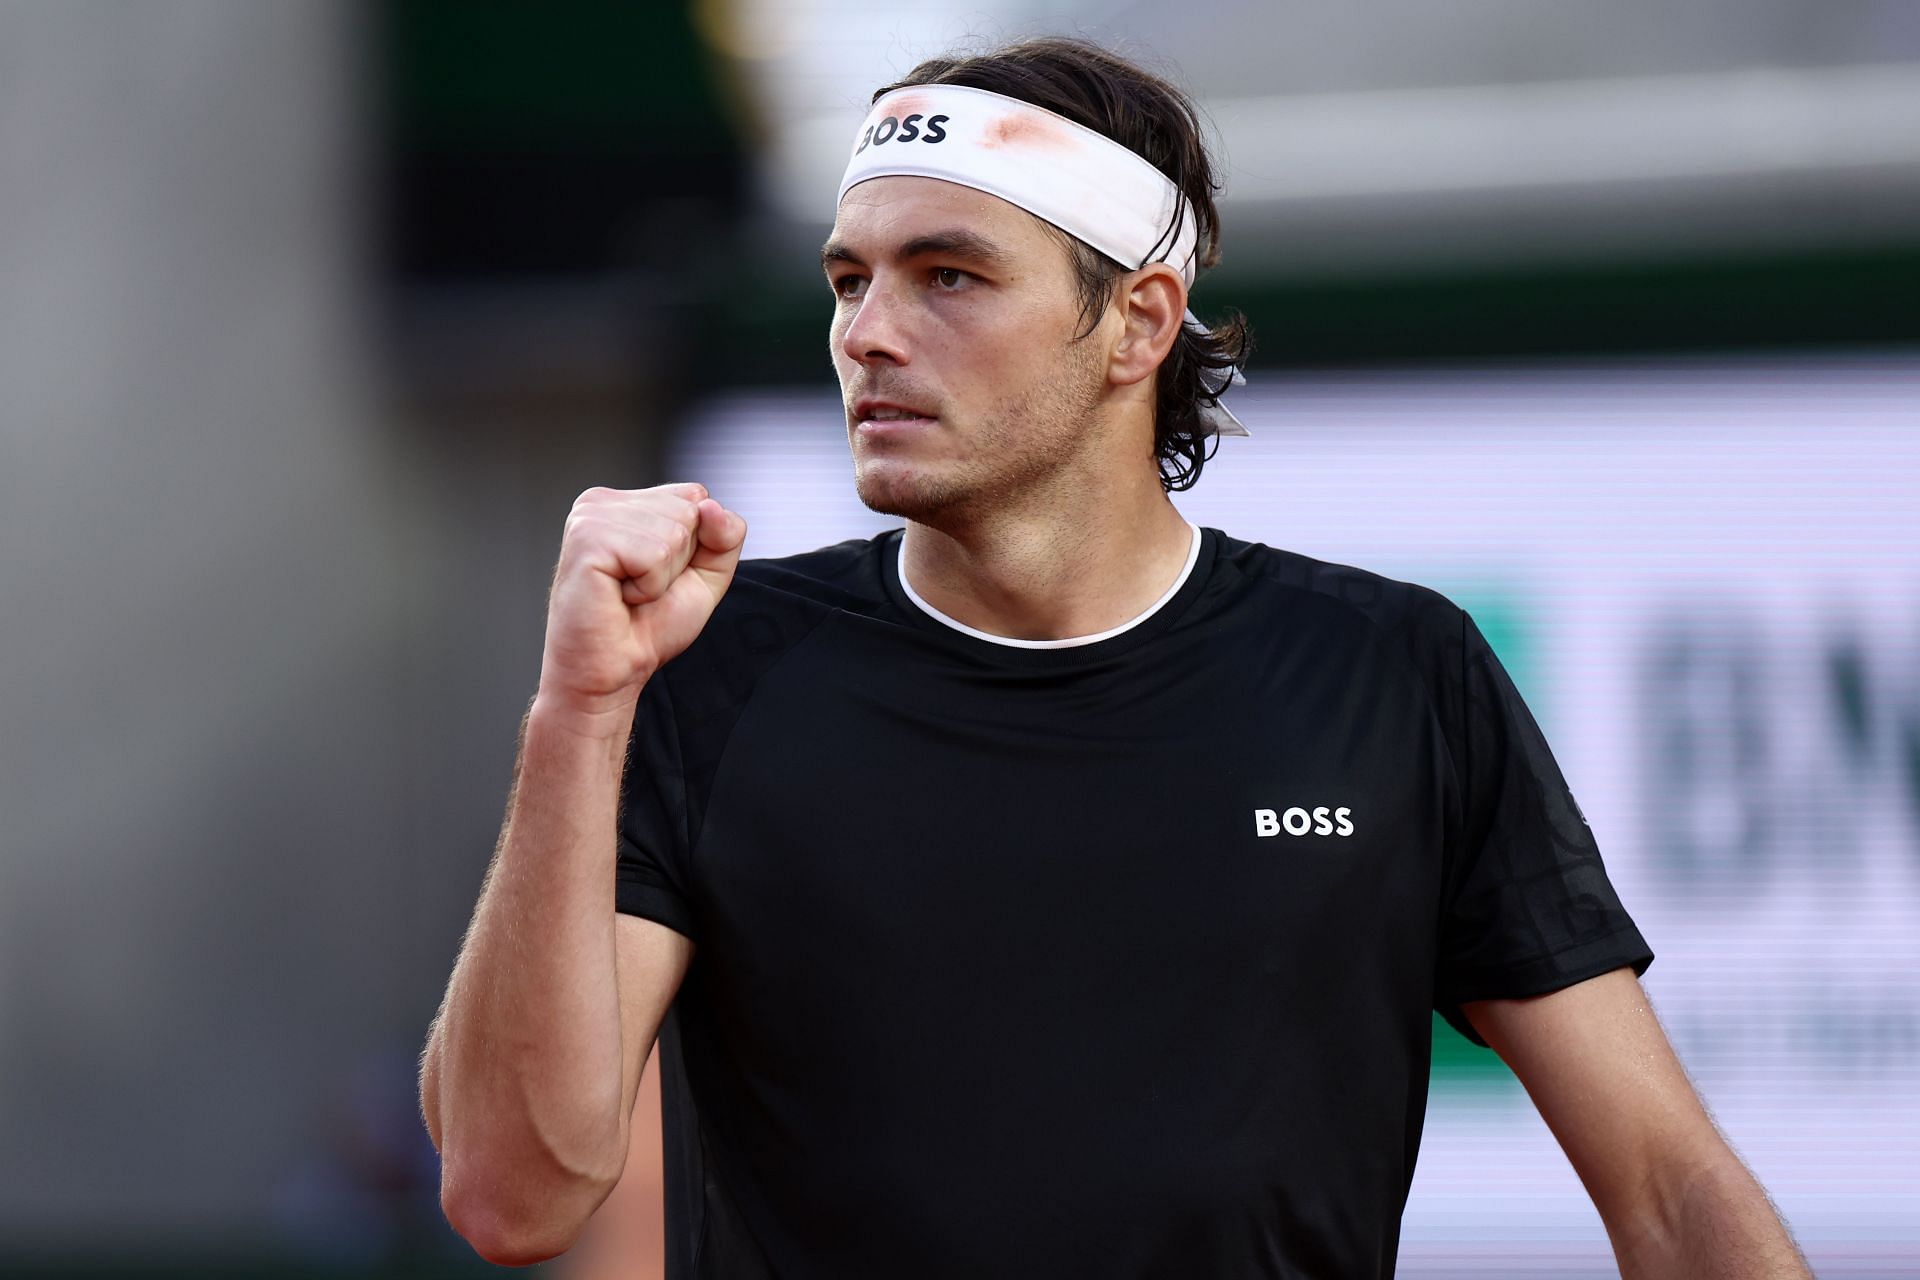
column 1017, row 130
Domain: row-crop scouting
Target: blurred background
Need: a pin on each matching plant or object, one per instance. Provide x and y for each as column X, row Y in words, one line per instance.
column 314, row 317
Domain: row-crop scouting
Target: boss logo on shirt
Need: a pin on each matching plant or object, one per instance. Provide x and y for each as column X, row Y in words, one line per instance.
column 1299, row 822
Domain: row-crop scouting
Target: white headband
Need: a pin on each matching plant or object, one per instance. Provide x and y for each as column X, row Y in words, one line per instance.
column 1086, row 184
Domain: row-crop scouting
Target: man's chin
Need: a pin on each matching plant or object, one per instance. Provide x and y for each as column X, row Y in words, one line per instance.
column 892, row 492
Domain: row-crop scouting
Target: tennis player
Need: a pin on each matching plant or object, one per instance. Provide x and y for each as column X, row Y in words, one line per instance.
column 1048, row 887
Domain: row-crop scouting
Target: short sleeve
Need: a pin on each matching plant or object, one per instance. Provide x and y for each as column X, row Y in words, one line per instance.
column 651, row 877
column 1527, row 907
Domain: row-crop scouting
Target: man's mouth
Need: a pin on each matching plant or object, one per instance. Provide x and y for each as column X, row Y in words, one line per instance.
column 875, row 416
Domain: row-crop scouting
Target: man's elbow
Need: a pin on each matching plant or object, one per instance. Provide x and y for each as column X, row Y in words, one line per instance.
column 512, row 1227
column 498, row 1238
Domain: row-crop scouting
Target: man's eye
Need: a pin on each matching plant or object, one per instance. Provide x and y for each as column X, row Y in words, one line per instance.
column 949, row 277
column 849, row 286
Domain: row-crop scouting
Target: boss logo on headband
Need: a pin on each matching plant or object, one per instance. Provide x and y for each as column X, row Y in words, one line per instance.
column 893, row 129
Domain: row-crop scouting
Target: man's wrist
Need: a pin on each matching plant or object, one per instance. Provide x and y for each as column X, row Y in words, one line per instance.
column 602, row 718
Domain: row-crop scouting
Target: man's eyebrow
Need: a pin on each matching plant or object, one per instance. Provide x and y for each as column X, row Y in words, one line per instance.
column 957, row 242
column 834, row 251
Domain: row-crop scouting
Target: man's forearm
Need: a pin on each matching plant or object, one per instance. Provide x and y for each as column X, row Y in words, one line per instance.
column 1712, row 1223
column 522, row 1079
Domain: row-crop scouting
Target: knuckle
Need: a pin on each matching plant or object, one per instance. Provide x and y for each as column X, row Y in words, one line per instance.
column 658, row 553
column 674, row 506
column 582, row 525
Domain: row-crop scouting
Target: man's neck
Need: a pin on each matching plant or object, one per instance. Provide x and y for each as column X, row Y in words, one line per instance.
column 1051, row 573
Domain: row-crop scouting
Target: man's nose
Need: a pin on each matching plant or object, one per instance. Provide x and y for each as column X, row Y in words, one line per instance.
column 878, row 330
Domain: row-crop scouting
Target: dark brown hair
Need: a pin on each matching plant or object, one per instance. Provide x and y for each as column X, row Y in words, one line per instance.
column 1155, row 120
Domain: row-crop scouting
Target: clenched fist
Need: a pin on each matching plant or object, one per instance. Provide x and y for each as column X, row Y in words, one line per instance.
column 640, row 573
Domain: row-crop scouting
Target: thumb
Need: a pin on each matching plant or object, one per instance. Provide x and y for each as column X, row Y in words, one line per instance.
column 718, row 540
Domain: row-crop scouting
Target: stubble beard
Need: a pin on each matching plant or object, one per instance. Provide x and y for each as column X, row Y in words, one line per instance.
column 1014, row 450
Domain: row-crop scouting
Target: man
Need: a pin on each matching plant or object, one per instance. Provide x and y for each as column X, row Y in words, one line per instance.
column 1047, row 888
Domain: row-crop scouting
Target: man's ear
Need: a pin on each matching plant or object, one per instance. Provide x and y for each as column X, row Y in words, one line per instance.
column 1152, row 303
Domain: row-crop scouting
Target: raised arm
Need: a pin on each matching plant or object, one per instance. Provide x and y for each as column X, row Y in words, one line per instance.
column 1677, row 1202
column 530, row 1070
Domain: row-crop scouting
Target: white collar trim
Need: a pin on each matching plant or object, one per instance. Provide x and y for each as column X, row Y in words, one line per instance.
column 1066, row 642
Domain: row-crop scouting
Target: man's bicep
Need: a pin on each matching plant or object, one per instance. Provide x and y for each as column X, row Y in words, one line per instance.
column 1606, row 1080
column 650, row 960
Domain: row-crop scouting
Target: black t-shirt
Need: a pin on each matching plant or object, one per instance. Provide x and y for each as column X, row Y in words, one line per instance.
column 1110, row 959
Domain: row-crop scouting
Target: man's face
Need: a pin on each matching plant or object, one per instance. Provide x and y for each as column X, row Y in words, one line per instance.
column 955, row 315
